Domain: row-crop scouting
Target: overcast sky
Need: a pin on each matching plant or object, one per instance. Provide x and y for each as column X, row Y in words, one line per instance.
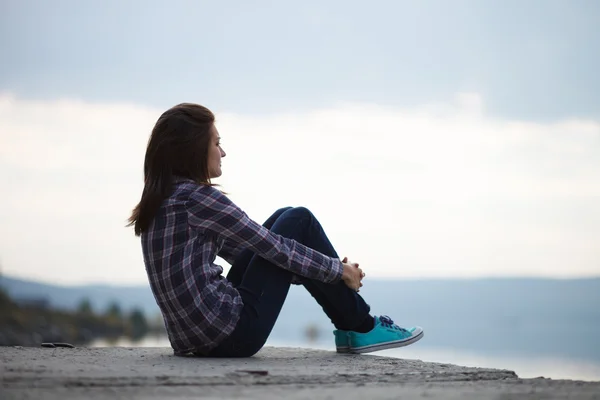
column 432, row 138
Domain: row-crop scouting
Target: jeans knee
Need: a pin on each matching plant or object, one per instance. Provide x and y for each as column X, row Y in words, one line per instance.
column 282, row 210
column 299, row 212
column 293, row 223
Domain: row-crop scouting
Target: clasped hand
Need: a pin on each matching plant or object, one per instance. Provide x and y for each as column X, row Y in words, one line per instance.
column 352, row 275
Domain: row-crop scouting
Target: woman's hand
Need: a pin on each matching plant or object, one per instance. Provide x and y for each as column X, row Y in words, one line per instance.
column 352, row 275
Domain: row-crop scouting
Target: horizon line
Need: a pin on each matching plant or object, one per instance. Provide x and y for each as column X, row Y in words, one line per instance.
column 377, row 278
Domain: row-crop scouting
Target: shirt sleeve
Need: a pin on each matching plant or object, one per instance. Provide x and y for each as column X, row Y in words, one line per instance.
column 230, row 251
column 210, row 210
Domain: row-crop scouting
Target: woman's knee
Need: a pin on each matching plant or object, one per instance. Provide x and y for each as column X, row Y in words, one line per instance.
column 299, row 212
column 275, row 216
column 293, row 222
column 281, row 211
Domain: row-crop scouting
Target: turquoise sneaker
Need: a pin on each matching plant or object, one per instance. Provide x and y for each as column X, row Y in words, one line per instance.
column 385, row 335
column 342, row 344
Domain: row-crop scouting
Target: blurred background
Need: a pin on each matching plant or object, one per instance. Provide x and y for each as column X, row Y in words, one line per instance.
column 450, row 147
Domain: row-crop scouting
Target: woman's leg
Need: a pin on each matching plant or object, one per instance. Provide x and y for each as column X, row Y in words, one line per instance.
column 346, row 309
column 238, row 269
column 264, row 288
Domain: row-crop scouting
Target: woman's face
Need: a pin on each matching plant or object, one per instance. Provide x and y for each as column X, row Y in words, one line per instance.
column 215, row 153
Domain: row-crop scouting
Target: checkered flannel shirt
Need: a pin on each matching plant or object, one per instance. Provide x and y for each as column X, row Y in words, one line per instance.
column 195, row 224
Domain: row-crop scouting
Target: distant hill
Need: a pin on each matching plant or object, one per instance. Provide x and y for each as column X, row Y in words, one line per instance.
column 527, row 316
column 69, row 297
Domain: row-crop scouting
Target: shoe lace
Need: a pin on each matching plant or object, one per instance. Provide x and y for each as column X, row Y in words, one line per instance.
column 388, row 323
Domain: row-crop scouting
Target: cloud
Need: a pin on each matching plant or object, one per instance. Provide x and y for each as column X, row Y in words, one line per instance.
column 435, row 190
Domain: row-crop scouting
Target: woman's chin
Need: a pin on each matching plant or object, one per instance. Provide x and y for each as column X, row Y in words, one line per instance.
column 216, row 174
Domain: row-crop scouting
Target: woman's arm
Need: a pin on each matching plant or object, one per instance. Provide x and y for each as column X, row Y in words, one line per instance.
column 230, row 251
column 210, row 210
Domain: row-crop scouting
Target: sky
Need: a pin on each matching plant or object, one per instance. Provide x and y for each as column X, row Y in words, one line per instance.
column 432, row 139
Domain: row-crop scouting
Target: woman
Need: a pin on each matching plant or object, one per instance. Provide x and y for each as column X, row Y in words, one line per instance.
column 185, row 222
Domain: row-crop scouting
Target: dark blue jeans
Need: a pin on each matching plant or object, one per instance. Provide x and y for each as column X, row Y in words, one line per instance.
column 264, row 286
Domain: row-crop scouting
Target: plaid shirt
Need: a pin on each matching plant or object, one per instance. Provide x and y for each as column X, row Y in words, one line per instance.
column 195, row 224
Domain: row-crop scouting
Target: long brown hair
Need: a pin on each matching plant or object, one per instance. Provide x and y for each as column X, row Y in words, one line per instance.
column 178, row 147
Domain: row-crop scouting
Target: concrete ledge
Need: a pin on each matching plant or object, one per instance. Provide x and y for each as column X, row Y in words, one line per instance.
column 62, row 373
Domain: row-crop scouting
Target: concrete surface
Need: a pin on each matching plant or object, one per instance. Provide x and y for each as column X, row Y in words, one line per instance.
column 274, row 373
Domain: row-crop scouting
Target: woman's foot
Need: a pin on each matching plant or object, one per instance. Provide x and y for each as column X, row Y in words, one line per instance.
column 385, row 335
column 342, row 342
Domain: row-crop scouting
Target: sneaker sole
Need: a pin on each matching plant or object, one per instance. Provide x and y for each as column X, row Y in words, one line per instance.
column 387, row 345
column 343, row 349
